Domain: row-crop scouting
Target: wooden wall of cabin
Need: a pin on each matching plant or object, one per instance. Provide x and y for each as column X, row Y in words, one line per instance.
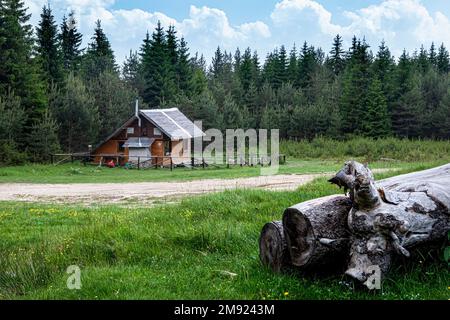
column 181, row 151
column 147, row 129
column 112, row 146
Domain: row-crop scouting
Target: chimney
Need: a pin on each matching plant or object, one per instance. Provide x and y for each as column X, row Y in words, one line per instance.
column 137, row 112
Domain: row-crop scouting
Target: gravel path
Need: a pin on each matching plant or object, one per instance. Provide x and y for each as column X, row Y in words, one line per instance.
column 142, row 191
column 146, row 192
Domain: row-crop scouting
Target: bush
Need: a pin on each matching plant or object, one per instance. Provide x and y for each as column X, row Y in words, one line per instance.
column 367, row 148
column 10, row 155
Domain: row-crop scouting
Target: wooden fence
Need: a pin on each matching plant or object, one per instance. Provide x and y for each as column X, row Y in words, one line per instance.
column 164, row 161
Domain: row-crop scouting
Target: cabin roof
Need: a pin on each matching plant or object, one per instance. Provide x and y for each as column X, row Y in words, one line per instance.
column 173, row 123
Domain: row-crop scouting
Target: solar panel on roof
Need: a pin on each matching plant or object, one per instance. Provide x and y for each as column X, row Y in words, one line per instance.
column 173, row 123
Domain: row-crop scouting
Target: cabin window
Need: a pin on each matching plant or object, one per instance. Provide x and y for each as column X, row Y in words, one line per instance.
column 156, row 132
column 167, row 148
column 130, row 130
column 120, row 147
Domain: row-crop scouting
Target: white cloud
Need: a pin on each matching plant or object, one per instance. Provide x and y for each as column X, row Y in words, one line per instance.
column 208, row 28
column 402, row 23
column 205, row 28
column 288, row 12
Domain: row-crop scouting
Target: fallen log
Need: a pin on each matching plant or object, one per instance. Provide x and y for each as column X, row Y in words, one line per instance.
column 316, row 231
column 393, row 217
column 273, row 247
column 376, row 222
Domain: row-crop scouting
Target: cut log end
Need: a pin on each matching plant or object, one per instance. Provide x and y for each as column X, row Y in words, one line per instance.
column 272, row 247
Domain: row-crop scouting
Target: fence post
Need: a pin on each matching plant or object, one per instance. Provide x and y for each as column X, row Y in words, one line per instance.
column 139, row 163
column 51, row 158
column 171, row 164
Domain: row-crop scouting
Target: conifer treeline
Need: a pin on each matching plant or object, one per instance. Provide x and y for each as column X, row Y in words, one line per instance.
column 57, row 96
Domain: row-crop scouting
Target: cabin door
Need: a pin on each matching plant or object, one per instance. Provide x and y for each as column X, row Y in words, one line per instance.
column 158, row 152
column 143, row 154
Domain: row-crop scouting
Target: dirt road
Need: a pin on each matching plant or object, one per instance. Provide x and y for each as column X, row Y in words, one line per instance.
column 145, row 192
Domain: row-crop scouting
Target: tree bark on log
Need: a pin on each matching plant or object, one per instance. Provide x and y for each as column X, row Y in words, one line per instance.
column 273, row 247
column 316, row 231
column 374, row 223
column 394, row 216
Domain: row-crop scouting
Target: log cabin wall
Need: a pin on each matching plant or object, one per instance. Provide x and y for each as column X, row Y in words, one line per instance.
column 113, row 145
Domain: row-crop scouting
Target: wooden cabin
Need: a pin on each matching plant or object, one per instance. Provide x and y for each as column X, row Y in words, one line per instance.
column 155, row 136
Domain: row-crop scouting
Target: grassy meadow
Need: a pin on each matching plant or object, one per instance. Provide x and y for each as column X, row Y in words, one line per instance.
column 200, row 248
column 78, row 173
column 318, row 156
column 197, row 248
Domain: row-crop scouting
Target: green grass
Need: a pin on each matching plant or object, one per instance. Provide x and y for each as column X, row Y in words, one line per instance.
column 77, row 173
column 180, row 251
column 368, row 149
column 318, row 155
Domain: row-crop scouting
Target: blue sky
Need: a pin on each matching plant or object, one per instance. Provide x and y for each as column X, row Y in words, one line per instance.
column 262, row 25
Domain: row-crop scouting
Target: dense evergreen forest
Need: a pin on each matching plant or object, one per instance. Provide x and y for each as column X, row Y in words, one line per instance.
column 57, row 96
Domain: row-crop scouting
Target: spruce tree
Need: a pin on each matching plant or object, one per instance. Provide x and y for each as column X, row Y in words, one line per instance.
column 184, row 72
column 282, row 66
column 43, row 139
column 407, row 117
column 172, row 51
column 251, row 102
column 270, row 118
column 237, row 60
column 383, row 69
column 306, row 65
column 441, row 118
column 130, row 71
column 256, row 69
column 159, row 81
column 336, row 60
column 232, row 114
column 48, row 47
column 292, row 69
column 76, row 113
column 246, row 74
column 375, row 120
column 355, row 87
column 12, row 119
column 433, row 55
column 70, row 40
column 217, row 64
column 12, row 122
column 206, row 110
column 269, row 72
column 198, row 82
column 99, row 56
column 422, row 60
column 403, row 84
column 19, row 70
column 115, row 101
column 443, row 60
